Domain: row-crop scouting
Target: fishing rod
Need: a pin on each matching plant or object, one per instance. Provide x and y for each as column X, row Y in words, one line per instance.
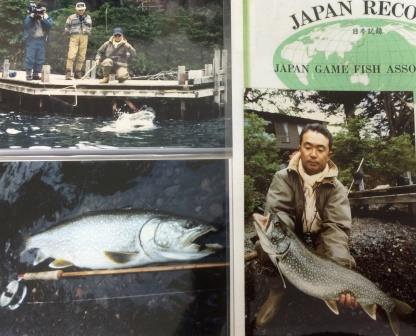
column 358, row 169
column 16, row 290
column 89, row 71
column 56, row 275
column 74, row 86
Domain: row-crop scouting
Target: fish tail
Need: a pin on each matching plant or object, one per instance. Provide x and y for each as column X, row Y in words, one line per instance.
column 30, row 243
column 27, row 245
column 394, row 322
column 402, row 308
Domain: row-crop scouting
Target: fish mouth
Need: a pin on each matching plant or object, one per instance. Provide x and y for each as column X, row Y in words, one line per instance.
column 190, row 244
column 197, row 240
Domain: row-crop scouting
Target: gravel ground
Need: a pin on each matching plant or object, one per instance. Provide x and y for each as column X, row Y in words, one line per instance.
column 385, row 252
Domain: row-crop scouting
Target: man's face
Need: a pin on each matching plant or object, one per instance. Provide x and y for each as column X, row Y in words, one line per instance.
column 80, row 12
column 314, row 152
column 118, row 37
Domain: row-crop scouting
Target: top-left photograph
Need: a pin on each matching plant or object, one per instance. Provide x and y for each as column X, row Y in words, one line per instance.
column 114, row 74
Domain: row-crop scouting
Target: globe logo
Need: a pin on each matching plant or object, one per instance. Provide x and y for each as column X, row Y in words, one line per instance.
column 360, row 55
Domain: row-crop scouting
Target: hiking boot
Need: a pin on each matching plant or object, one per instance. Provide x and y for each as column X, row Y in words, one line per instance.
column 105, row 80
column 78, row 75
column 36, row 76
column 29, row 75
column 68, row 75
column 270, row 307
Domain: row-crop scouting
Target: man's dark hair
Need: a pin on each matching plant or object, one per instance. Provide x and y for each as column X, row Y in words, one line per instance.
column 316, row 127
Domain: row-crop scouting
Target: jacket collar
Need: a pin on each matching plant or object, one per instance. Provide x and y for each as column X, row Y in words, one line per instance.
column 329, row 178
column 123, row 41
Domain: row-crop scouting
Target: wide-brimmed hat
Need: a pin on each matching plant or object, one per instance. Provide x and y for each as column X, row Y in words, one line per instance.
column 117, row 31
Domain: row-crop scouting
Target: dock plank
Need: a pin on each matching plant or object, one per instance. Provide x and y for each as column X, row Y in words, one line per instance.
column 58, row 86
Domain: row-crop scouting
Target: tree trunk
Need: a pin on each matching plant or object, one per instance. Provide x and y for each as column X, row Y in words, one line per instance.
column 389, row 110
column 349, row 109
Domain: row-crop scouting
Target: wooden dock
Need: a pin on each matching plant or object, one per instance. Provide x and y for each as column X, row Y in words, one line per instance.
column 383, row 196
column 189, row 85
column 58, row 86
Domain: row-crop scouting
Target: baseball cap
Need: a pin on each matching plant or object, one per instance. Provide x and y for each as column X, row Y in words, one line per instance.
column 117, row 31
column 80, row 6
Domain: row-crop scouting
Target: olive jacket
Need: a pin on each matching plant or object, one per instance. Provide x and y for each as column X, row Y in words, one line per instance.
column 286, row 200
column 120, row 54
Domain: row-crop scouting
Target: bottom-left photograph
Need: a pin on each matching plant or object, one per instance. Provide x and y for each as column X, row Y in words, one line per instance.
column 114, row 247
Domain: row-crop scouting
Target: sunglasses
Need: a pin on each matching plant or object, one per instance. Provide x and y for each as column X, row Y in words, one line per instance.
column 117, row 35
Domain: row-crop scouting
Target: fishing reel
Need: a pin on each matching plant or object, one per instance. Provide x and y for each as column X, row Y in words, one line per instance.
column 14, row 295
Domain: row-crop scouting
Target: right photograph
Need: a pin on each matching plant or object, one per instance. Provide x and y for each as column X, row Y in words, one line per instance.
column 330, row 203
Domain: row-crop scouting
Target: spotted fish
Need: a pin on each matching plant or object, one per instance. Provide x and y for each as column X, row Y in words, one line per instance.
column 119, row 239
column 322, row 278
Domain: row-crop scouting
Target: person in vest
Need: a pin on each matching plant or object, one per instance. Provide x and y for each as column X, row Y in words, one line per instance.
column 308, row 198
column 113, row 56
column 37, row 25
column 78, row 26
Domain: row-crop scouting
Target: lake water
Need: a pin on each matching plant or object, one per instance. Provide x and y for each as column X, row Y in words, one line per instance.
column 126, row 130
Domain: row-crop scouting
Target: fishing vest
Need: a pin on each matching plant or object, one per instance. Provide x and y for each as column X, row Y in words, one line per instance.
column 75, row 25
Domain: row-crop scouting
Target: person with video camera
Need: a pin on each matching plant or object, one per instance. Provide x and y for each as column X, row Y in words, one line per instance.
column 37, row 25
column 78, row 26
column 113, row 55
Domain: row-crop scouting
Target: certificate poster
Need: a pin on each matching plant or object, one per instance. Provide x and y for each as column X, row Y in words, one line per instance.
column 142, row 247
column 326, row 45
column 348, row 66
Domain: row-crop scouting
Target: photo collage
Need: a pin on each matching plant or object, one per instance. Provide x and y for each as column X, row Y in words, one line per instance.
column 207, row 167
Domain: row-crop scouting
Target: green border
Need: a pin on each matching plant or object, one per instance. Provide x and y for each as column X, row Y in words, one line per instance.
column 246, row 43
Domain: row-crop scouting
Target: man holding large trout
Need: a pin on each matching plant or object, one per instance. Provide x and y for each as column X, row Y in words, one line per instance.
column 308, row 199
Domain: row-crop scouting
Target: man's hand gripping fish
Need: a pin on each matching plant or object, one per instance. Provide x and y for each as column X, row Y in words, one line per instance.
column 322, row 278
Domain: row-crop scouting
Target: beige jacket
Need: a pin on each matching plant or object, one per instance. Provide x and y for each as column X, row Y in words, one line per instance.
column 286, row 200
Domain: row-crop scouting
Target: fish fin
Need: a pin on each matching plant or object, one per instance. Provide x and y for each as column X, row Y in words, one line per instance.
column 332, row 304
column 60, row 263
column 371, row 310
column 394, row 323
column 402, row 308
column 120, row 257
column 40, row 257
column 276, row 263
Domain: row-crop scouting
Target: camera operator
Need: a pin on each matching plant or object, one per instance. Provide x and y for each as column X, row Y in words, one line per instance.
column 78, row 26
column 37, row 25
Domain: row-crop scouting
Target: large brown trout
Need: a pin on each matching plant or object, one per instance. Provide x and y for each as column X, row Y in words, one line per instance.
column 322, row 278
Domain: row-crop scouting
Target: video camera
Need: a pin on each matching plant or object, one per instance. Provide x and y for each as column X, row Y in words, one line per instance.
column 37, row 10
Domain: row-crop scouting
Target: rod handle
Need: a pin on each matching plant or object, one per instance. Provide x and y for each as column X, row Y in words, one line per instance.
column 51, row 275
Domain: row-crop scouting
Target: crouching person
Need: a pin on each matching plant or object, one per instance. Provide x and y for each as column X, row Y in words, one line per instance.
column 308, row 197
column 113, row 56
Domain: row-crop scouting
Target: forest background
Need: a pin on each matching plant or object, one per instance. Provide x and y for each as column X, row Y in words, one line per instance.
column 175, row 33
column 376, row 126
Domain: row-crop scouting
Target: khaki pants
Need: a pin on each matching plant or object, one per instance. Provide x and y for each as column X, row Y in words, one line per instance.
column 77, row 46
column 121, row 71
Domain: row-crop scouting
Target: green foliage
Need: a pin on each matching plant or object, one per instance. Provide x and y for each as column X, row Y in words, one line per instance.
column 12, row 13
column 384, row 158
column 395, row 155
column 163, row 39
column 261, row 161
